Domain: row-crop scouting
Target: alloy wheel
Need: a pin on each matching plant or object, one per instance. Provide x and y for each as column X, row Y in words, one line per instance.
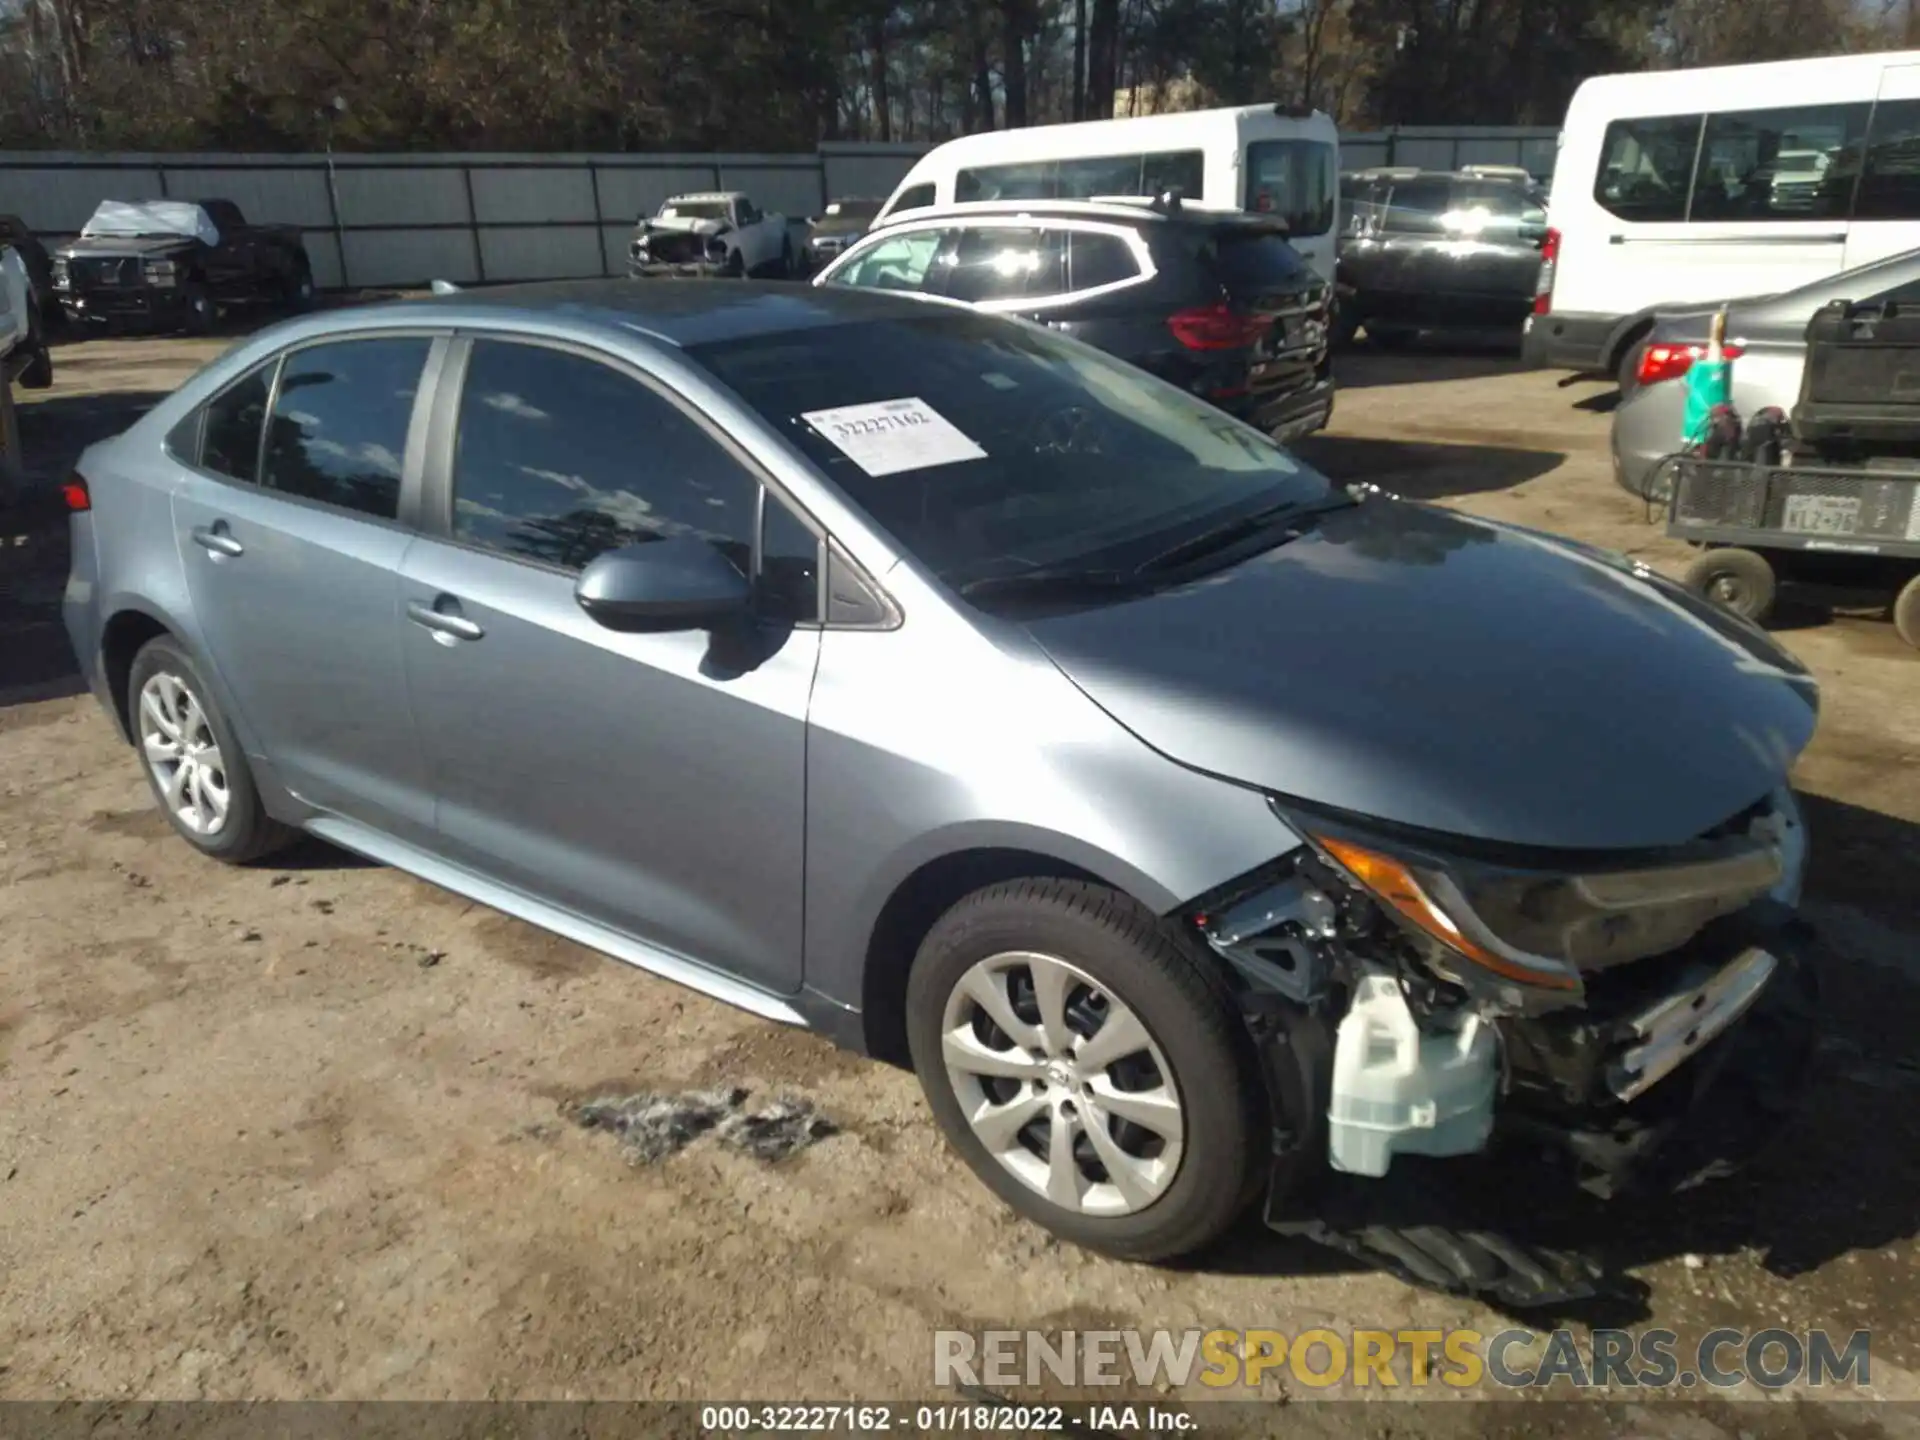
column 1062, row 1083
column 181, row 750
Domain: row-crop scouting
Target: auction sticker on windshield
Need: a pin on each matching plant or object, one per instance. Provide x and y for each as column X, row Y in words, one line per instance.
column 890, row 436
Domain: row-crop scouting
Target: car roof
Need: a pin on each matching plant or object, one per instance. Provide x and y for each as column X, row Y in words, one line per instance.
column 714, row 195
column 1123, row 210
column 680, row 312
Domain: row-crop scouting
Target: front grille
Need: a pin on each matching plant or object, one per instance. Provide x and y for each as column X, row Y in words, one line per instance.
column 1796, row 500
column 104, row 272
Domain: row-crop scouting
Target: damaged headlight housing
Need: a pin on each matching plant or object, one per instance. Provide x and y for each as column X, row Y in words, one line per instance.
column 62, row 277
column 1524, row 935
column 162, row 273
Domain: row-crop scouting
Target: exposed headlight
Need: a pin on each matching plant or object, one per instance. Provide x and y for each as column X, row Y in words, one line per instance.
column 1411, row 897
column 1542, row 928
column 61, row 278
column 162, row 272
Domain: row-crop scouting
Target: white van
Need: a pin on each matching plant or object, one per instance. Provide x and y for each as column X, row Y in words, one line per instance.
column 1266, row 158
column 1694, row 186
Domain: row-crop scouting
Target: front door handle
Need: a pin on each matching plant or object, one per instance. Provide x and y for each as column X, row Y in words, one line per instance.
column 443, row 621
column 216, row 539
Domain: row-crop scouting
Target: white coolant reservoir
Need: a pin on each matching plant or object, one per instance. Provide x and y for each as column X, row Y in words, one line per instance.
column 1400, row 1091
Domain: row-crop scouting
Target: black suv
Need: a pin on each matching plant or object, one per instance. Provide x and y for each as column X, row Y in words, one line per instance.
column 1437, row 250
column 1217, row 303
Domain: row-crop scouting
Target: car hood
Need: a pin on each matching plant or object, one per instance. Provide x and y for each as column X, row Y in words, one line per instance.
column 684, row 225
column 110, row 246
column 1438, row 671
column 840, row 225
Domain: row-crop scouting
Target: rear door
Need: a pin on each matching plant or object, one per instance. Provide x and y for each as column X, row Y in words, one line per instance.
column 292, row 541
column 1006, row 269
column 1886, row 205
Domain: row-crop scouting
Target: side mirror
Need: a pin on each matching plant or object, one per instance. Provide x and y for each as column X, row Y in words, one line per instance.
column 679, row 582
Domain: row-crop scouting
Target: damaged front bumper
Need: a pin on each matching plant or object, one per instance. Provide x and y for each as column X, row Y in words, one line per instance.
column 1653, row 1073
column 675, row 269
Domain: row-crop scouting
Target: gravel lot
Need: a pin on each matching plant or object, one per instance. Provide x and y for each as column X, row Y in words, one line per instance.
column 308, row 1129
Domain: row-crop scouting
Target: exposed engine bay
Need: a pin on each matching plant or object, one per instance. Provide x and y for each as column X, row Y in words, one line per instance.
column 1419, row 1001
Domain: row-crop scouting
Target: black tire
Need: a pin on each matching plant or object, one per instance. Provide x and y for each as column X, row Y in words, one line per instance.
column 247, row 832
column 1737, row 580
column 299, row 286
column 201, row 313
column 787, row 268
column 1906, row 612
column 1390, row 337
column 735, row 267
column 1187, row 1012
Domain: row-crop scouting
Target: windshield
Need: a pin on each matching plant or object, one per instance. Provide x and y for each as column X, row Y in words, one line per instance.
column 987, row 448
column 694, row 210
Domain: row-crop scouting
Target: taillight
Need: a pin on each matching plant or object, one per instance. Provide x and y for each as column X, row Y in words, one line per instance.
column 1669, row 362
column 76, row 494
column 1217, row 327
column 1549, row 262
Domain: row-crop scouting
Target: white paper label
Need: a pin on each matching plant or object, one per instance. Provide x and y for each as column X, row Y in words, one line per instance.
column 894, row 435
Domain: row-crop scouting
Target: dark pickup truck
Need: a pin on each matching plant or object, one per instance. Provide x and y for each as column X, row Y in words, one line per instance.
column 173, row 264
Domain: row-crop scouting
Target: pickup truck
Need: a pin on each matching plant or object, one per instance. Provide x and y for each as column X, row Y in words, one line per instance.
column 23, row 345
column 715, row 232
column 175, row 264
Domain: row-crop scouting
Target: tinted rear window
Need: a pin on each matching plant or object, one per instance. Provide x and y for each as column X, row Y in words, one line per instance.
column 1252, row 261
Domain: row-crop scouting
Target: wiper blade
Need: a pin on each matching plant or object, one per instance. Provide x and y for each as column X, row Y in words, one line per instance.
column 1049, row 580
column 1243, row 527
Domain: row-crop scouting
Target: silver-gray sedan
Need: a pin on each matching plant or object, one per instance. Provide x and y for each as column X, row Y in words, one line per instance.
column 946, row 685
column 1767, row 336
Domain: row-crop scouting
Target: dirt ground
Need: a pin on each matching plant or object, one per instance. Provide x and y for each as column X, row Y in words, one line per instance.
column 305, row 1129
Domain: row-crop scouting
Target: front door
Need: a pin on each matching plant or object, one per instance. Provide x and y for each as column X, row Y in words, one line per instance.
column 292, row 550
column 654, row 783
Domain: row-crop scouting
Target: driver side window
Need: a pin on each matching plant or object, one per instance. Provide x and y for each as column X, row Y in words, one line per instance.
column 898, row 263
column 744, row 213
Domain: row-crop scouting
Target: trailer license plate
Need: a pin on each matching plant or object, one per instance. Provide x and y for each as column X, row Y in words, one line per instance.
column 1823, row 514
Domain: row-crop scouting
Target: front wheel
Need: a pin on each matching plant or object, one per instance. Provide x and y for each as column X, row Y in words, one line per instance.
column 1086, row 1068
column 1738, row 580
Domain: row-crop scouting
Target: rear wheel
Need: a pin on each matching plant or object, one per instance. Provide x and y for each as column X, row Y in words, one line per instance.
column 193, row 762
column 1906, row 612
column 1738, row 580
column 1086, row 1068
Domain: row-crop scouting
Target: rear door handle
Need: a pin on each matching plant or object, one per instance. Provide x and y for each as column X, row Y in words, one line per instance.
column 449, row 622
column 216, row 539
